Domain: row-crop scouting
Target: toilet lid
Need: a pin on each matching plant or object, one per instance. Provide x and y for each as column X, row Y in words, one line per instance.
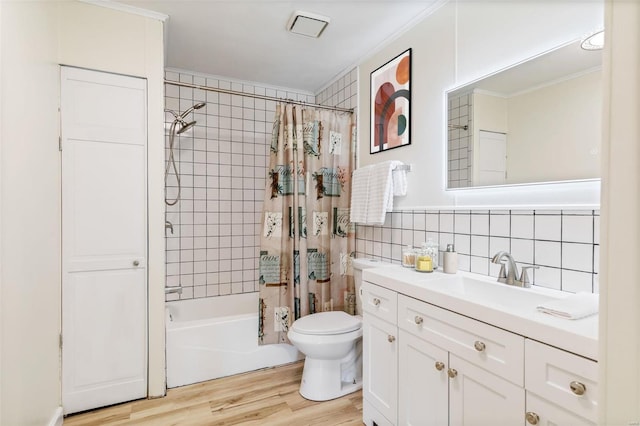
column 323, row 323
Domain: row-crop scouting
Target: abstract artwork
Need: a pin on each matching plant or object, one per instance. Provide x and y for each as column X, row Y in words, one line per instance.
column 390, row 104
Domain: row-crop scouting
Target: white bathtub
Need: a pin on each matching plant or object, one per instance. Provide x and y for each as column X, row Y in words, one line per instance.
column 216, row 337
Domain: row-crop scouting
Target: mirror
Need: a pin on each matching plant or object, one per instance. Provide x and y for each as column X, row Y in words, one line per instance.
column 538, row 121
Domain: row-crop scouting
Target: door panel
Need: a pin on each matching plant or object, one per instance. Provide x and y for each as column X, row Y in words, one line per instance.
column 104, row 239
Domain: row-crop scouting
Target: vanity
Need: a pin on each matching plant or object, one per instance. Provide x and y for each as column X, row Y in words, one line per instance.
column 462, row 349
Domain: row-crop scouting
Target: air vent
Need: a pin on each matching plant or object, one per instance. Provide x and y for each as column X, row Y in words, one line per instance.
column 307, row 24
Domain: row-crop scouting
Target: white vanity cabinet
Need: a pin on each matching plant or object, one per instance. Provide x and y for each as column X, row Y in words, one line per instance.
column 429, row 366
column 380, row 356
column 455, row 370
column 561, row 387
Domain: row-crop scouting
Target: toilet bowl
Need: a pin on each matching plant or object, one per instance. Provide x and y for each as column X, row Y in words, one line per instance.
column 332, row 344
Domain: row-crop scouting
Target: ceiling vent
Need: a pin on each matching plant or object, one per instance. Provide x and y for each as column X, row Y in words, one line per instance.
column 307, row 24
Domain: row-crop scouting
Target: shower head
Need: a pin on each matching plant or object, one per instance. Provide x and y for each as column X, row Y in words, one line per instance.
column 185, row 126
column 196, row 106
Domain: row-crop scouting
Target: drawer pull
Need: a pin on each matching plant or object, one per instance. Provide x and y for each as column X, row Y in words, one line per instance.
column 578, row 388
column 532, row 418
column 480, row 347
column 376, row 301
column 391, row 338
column 452, row 373
column 439, row 365
column 418, row 320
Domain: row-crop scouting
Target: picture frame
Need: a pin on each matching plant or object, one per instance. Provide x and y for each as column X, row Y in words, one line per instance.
column 391, row 104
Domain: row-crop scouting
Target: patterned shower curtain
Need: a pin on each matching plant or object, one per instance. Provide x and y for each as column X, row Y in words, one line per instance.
column 307, row 241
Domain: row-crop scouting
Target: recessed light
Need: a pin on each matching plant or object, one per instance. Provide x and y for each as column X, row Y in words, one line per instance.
column 307, row 24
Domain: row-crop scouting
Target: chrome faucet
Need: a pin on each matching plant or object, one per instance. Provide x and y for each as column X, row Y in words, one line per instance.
column 509, row 272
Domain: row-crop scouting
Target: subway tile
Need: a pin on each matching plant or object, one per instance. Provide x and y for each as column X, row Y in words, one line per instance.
column 522, row 250
column 499, row 225
column 522, row 226
column 547, row 227
column 480, row 224
column 497, row 244
column 577, row 257
column 575, row 282
column 479, row 265
column 577, row 229
column 479, row 246
column 462, row 223
column 446, row 222
column 548, row 277
column 547, row 253
column 462, row 243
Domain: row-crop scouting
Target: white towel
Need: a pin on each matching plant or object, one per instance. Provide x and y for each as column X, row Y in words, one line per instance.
column 372, row 191
column 574, row 306
column 360, row 194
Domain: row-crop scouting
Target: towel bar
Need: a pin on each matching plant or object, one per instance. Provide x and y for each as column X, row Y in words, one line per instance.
column 405, row 167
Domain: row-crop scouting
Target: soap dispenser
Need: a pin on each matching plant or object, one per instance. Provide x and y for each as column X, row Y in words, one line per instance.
column 450, row 260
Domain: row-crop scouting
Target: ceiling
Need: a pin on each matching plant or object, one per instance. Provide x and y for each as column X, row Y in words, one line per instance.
column 248, row 39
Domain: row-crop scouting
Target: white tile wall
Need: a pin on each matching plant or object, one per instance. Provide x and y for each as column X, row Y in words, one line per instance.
column 562, row 244
column 460, row 149
column 222, row 164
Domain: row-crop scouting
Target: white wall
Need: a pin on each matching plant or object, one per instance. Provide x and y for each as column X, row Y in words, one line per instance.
column 458, row 43
column 36, row 37
column 541, row 147
column 619, row 313
column 30, row 212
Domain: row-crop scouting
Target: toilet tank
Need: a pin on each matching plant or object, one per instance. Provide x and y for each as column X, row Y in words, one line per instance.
column 359, row 264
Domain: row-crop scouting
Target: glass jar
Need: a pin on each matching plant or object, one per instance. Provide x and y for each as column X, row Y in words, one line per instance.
column 424, row 261
column 408, row 257
column 433, row 248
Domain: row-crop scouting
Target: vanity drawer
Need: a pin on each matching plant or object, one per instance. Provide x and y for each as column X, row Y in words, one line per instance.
column 491, row 348
column 380, row 302
column 551, row 373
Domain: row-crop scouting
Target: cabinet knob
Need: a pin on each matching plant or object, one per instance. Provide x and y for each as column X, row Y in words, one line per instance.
column 578, row 388
column 480, row 346
column 532, row 418
column 439, row 365
column 452, row 373
column 391, row 338
column 376, row 301
column 418, row 320
column 136, row 263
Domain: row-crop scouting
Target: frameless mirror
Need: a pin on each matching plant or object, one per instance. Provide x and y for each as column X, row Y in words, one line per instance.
column 538, row 121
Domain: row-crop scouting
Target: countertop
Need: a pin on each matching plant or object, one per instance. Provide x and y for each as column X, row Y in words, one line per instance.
column 515, row 312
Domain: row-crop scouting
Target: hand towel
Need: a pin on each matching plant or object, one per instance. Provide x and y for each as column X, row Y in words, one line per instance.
column 360, row 194
column 399, row 179
column 574, row 306
column 380, row 192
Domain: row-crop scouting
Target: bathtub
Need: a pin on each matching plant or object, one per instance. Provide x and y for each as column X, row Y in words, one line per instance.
column 217, row 336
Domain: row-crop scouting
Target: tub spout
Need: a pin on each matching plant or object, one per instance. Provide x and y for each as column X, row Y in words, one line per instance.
column 169, row 290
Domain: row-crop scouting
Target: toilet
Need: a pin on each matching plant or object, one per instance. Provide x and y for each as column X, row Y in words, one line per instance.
column 332, row 344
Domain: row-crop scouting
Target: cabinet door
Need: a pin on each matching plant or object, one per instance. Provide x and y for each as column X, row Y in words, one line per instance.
column 423, row 383
column 380, row 360
column 545, row 413
column 477, row 397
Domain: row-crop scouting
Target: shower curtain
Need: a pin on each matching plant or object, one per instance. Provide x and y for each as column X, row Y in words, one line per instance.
column 307, row 241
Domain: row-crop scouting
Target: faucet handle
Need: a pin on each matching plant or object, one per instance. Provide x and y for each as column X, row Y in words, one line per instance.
column 524, row 278
column 503, row 271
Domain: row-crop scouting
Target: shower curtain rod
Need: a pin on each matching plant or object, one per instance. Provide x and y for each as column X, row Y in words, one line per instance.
column 251, row 95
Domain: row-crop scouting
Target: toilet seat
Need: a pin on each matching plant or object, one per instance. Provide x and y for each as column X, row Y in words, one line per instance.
column 327, row 323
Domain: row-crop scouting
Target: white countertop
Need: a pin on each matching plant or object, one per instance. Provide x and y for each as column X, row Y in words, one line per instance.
column 514, row 309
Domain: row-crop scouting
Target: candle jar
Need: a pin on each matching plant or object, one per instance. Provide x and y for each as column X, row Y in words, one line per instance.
column 408, row 257
column 424, row 261
column 432, row 248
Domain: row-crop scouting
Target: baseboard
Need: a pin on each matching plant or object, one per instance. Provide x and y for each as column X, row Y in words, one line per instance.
column 56, row 419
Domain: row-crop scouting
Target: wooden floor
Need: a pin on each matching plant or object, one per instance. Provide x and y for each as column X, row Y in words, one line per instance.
column 265, row 397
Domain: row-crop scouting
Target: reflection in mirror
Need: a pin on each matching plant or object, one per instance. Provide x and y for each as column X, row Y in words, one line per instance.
column 538, row 121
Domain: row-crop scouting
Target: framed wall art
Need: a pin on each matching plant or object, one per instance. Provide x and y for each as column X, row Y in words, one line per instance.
column 391, row 104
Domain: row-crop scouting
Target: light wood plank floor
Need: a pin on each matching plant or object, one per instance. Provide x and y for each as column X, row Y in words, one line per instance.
column 264, row 397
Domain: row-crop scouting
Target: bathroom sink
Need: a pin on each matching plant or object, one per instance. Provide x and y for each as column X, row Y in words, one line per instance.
column 492, row 293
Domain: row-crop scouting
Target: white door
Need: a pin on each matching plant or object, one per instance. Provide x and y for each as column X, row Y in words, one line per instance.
column 492, row 159
column 104, row 226
column 479, row 398
column 380, row 358
column 423, row 383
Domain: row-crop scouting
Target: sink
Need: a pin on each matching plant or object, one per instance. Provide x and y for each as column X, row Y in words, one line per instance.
column 492, row 293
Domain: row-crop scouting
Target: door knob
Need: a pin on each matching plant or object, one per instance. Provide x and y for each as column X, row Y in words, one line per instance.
column 376, row 301
column 439, row 365
column 532, row 418
column 136, row 263
column 418, row 320
column 452, row 373
column 480, row 346
column 391, row 338
column 578, row 388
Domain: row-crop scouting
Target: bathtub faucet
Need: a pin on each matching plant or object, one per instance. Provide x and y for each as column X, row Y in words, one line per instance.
column 169, row 290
